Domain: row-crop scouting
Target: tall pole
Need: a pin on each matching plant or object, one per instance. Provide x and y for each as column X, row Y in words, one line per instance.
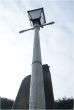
column 37, row 96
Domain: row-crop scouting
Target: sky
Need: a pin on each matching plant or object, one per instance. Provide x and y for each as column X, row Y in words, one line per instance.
column 56, row 45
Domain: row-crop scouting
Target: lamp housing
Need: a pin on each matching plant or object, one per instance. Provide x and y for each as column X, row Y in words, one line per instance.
column 37, row 16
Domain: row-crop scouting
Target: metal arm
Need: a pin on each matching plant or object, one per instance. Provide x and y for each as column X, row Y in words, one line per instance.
column 49, row 23
column 40, row 26
column 26, row 30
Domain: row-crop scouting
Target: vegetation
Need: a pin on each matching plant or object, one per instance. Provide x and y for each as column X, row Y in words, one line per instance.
column 65, row 103
column 6, row 103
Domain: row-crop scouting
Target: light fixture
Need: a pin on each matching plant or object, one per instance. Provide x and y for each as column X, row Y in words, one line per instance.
column 37, row 16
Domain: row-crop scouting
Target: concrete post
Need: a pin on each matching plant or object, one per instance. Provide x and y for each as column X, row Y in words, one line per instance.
column 37, row 96
column 0, row 103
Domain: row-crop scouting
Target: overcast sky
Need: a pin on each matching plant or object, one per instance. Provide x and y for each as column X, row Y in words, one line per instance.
column 56, row 45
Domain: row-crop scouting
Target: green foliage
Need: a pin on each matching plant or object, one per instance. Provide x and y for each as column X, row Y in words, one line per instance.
column 59, row 104
column 6, row 103
column 64, row 103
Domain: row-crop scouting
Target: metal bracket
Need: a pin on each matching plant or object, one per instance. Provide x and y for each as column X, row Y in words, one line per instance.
column 50, row 23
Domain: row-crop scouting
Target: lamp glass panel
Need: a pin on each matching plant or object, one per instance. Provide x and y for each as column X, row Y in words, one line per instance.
column 35, row 14
column 42, row 19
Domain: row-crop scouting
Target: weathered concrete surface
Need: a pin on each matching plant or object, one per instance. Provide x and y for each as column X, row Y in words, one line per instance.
column 22, row 99
column 49, row 96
